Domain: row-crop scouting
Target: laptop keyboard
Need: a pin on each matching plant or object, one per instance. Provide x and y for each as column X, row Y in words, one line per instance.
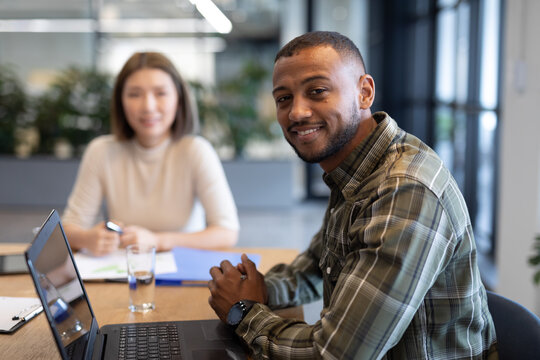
column 70, row 350
column 149, row 342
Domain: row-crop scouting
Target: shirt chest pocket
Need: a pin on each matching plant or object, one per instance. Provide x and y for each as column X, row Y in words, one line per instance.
column 331, row 264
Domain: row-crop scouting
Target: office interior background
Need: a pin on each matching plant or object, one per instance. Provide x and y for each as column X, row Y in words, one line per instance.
column 460, row 74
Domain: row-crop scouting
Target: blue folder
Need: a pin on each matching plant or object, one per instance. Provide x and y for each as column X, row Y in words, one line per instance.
column 193, row 265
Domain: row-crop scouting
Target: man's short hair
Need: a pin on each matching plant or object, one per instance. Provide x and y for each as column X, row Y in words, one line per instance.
column 342, row 44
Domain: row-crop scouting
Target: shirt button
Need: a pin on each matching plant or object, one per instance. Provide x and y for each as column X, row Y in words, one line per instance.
column 328, row 270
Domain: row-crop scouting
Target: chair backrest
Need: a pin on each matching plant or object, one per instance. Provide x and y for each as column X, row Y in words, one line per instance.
column 517, row 328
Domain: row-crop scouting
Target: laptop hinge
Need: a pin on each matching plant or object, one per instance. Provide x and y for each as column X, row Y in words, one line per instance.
column 99, row 347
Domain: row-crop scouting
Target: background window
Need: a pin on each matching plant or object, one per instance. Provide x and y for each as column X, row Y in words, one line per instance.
column 448, row 50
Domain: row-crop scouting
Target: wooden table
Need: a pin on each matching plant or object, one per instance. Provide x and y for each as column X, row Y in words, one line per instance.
column 109, row 302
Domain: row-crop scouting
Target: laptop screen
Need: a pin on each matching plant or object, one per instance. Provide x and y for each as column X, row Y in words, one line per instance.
column 54, row 273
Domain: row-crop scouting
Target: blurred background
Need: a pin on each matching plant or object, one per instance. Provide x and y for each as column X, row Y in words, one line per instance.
column 460, row 74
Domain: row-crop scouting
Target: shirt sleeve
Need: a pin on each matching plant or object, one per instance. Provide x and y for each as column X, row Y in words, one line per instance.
column 84, row 202
column 399, row 243
column 212, row 187
column 297, row 283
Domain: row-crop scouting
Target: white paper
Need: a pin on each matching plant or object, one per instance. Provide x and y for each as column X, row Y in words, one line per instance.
column 114, row 265
column 17, row 306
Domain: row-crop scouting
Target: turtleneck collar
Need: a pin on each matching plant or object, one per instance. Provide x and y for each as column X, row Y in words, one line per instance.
column 150, row 154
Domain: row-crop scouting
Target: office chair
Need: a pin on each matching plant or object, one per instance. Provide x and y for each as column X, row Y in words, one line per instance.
column 517, row 328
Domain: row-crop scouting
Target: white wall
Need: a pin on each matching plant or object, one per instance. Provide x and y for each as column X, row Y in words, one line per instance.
column 38, row 57
column 348, row 17
column 519, row 188
column 293, row 23
column 194, row 58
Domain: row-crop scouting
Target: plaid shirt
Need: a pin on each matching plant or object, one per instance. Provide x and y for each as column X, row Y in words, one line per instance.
column 395, row 261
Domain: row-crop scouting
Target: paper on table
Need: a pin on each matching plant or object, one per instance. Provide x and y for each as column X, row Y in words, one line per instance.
column 22, row 308
column 114, row 265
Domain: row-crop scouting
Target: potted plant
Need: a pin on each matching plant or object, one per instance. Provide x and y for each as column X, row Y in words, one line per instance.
column 232, row 115
column 74, row 110
column 230, row 112
column 534, row 260
column 13, row 108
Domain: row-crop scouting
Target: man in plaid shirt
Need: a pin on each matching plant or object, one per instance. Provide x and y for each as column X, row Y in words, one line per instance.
column 395, row 258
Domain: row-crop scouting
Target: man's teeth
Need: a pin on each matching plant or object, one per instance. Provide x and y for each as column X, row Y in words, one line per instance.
column 302, row 133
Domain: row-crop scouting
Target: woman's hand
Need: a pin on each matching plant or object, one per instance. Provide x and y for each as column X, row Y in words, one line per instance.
column 102, row 241
column 138, row 235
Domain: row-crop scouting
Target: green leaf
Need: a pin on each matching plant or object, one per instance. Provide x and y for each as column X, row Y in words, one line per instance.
column 537, row 278
column 534, row 260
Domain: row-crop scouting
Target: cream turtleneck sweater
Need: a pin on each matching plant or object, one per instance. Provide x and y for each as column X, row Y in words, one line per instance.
column 154, row 188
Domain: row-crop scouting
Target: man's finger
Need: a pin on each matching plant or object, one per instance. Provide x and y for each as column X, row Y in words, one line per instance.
column 226, row 266
column 241, row 268
column 211, row 286
column 249, row 266
column 215, row 272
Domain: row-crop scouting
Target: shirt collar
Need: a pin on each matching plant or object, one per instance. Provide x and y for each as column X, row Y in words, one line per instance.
column 153, row 153
column 361, row 161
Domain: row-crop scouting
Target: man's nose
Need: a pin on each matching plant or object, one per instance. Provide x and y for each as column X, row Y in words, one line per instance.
column 300, row 110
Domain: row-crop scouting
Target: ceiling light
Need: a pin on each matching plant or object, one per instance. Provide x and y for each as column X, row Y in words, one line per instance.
column 124, row 26
column 213, row 15
column 48, row 25
column 153, row 26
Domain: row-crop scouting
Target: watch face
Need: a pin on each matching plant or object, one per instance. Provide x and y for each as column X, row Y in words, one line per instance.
column 235, row 314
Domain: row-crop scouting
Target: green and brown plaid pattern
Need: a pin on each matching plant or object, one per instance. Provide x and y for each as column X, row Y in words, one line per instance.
column 395, row 263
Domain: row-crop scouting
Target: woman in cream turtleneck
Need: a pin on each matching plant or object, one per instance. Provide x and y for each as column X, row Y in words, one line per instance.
column 152, row 171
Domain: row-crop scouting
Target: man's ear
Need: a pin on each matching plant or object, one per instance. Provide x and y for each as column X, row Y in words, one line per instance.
column 367, row 91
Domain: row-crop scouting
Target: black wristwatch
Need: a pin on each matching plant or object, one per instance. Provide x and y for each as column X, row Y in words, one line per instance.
column 238, row 311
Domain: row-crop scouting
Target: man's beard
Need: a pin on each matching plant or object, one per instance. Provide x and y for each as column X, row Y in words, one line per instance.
column 335, row 143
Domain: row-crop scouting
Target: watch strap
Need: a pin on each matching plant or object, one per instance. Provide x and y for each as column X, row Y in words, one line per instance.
column 245, row 306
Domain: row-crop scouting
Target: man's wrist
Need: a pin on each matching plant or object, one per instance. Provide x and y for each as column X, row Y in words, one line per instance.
column 238, row 311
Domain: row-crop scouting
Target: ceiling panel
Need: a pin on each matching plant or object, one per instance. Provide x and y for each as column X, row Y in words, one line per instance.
column 250, row 18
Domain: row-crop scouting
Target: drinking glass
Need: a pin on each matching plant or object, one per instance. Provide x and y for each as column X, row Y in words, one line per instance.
column 141, row 261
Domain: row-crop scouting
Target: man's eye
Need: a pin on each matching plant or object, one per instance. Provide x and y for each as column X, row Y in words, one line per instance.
column 282, row 99
column 317, row 91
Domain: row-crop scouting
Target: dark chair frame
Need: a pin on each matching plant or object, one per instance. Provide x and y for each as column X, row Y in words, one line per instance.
column 517, row 328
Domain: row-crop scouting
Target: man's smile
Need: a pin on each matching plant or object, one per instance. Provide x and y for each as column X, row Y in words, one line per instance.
column 305, row 132
column 301, row 133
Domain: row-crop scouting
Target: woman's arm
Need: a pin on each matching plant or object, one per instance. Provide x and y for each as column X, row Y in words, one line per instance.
column 213, row 191
column 85, row 201
column 210, row 238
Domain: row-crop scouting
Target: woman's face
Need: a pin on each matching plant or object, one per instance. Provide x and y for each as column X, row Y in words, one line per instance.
column 150, row 101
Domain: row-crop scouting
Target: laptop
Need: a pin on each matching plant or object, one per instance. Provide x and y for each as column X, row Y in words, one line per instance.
column 74, row 326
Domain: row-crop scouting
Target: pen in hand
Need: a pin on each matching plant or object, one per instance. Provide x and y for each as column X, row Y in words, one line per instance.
column 114, row 227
